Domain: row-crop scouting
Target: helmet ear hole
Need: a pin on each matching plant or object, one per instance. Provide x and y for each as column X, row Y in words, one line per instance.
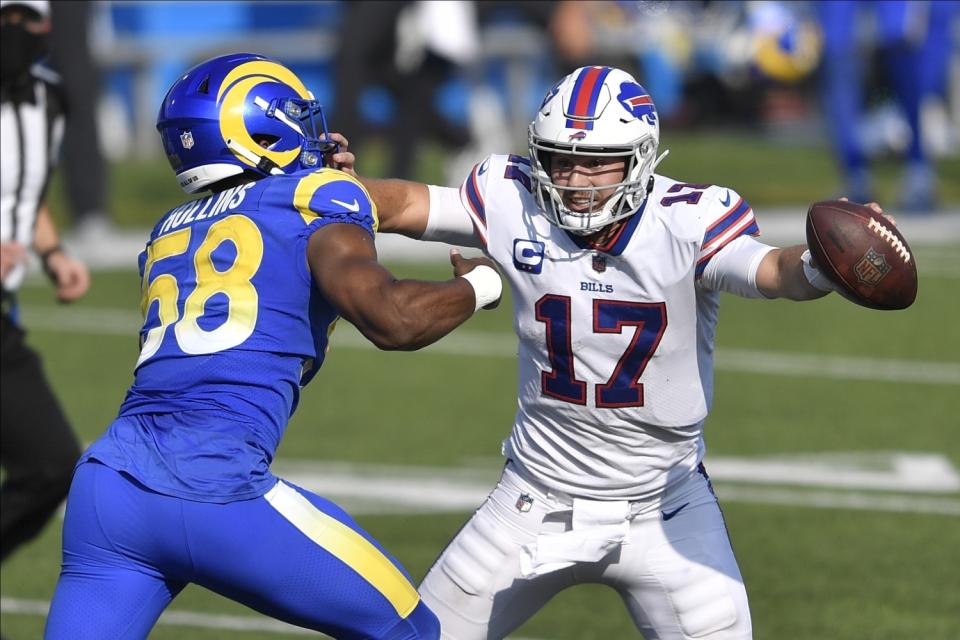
column 204, row 87
column 265, row 140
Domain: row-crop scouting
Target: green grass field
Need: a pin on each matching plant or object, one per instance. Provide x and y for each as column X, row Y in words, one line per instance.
column 883, row 567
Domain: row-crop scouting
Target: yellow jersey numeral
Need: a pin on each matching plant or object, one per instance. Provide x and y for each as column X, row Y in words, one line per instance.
column 234, row 282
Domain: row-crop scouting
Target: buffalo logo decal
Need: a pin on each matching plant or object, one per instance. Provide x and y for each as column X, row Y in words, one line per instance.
column 637, row 102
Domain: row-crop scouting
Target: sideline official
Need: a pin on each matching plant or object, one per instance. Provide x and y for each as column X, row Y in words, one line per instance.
column 38, row 448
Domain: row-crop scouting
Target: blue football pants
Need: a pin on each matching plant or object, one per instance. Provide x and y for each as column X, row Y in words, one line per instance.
column 292, row 555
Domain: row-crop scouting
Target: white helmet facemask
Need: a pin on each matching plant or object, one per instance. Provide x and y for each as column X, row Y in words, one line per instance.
column 601, row 112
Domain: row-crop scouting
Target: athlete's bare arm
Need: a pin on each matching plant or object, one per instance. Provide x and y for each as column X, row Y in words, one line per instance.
column 403, row 206
column 780, row 275
column 391, row 313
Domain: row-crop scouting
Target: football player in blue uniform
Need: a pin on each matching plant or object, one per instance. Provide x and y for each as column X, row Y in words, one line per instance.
column 240, row 291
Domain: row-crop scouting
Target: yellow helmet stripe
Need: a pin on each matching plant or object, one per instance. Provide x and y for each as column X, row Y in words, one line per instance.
column 266, row 68
column 232, row 126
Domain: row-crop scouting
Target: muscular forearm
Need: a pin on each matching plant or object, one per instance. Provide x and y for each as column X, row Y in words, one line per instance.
column 392, row 313
column 781, row 275
column 415, row 314
column 402, row 206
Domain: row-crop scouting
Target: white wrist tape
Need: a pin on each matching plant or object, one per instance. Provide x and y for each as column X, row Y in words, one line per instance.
column 814, row 276
column 486, row 284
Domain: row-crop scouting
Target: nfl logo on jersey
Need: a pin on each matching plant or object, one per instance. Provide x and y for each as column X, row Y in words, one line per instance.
column 528, row 255
column 524, row 502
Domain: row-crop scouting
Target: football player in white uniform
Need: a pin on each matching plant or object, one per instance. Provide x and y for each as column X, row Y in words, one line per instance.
column 616, row 274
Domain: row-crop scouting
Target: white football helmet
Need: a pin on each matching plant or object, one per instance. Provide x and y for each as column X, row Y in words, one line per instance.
column 595, row 111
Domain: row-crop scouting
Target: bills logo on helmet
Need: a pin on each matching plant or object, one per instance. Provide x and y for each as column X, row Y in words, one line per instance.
column 547, row 98
column 579, row 135
column 528, row 255
column 637, row 102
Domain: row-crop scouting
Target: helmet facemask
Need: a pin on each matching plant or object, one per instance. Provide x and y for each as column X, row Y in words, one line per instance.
column 599, row 112
column 305, row 118
column 628, row 194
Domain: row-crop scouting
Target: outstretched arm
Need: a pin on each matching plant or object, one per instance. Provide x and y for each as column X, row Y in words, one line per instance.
column 403, row 206
column 781, row 275
column 411, row 208
column 788, row 273
column 391, row 313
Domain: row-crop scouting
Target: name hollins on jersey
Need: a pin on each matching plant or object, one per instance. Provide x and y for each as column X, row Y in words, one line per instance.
column 200, row 209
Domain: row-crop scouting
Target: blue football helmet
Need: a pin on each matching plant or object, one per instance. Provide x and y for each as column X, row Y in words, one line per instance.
column 240, row 112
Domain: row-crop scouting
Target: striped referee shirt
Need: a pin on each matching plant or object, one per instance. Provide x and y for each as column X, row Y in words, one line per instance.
column 30, row 136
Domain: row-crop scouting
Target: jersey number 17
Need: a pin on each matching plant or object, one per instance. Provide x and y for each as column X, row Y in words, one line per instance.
column 623, row 389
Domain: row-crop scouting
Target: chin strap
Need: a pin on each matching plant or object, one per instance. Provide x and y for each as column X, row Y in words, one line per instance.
column 263, row 163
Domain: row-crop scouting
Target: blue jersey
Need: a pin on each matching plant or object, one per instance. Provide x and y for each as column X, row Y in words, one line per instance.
column 233, row 328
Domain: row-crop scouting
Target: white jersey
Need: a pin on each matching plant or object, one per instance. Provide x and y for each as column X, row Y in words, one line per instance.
column 30, row 133
column 615, row 342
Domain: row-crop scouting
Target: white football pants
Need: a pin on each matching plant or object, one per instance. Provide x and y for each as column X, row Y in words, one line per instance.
column 675, row 571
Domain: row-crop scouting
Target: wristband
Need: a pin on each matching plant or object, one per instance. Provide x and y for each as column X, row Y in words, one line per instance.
column 45, row 255
column 45, row 260
column 486, row 284
column 814, row 276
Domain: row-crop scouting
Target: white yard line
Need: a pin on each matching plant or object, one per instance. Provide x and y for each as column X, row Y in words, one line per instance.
column 105, row 321
column 834, row 500
column 379, row 489
column 195, row 619
column 176, row 618
column 873, row 481
column 779, row 226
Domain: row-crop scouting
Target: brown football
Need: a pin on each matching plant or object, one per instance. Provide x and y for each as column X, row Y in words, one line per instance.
column 863, row 253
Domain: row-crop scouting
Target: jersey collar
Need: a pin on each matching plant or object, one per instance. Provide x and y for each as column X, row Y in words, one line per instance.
column 615, row 245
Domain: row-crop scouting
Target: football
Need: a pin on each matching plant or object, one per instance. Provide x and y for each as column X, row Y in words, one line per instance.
column 863, row 253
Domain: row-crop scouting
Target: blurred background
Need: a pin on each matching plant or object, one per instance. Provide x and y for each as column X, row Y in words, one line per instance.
column 833, row 440
column 788, row 102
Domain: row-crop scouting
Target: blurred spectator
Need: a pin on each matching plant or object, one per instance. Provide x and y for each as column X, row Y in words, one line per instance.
column 37, row 447
column 705, row 62
column 901, row 37
column 84, row 168
column 409, row 49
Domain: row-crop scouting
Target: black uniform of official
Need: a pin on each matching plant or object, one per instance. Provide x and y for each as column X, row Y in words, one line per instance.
column 38, row 449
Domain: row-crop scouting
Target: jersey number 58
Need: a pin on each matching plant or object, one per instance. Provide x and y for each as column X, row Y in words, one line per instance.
column 234, row 282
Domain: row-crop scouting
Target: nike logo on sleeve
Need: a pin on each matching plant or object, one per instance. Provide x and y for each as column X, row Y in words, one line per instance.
column 349, row 206
column 725, row 201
